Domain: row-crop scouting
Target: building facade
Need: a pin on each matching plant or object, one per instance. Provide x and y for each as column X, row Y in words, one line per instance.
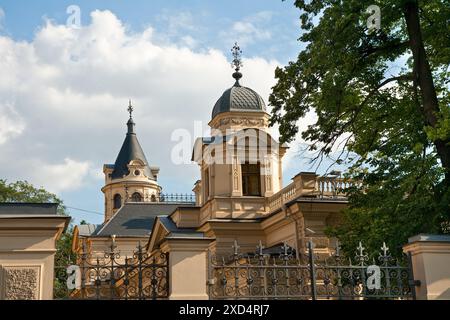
column 239, row 196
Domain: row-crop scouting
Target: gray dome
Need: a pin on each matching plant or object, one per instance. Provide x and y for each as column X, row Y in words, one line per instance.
column 239, row 98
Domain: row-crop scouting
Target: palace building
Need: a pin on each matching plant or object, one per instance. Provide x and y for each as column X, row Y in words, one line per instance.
column 240, row 196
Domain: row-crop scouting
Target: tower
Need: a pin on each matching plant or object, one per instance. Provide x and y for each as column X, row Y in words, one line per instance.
column 130, row 178
column 240, row 163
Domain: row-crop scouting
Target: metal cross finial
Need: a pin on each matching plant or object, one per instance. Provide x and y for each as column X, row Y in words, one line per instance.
column 237, row 61
column 113, row 243
column 236, row 247
column 385, row 249
column 338, row 248
column 130, row 108
column 361, row 249
column 259, row 248
column 285, row 249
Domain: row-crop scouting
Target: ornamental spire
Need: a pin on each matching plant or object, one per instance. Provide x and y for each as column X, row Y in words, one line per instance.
column 130, row 123
column 130, row 108
column 237, row 62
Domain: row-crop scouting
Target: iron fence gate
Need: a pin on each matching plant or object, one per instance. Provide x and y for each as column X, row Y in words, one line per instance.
column 285, row 276
column 112, row 276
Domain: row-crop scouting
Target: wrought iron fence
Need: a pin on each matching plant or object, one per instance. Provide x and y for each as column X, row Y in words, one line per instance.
column 174, row 198
column 282, row 275
column 112, row 276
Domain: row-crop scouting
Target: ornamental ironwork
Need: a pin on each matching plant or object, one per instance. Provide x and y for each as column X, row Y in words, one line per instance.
column 174, row 198
column 113, row 276
column 282, row 274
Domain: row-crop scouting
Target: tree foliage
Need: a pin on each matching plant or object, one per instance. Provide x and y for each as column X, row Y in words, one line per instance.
column 382, row 95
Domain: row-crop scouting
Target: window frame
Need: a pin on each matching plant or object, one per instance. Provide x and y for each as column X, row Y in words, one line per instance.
column 247, row 173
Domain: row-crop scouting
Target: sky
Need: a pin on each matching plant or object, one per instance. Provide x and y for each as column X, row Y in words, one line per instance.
column 64, row 88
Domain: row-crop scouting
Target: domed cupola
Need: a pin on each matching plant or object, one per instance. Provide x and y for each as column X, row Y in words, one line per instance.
column 238, row 98
column 239, row 106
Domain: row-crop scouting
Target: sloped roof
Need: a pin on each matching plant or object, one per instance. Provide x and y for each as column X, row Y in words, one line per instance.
column 28, row 208
column 175, row 232
column 135, row 219
column 131, row 150
column 87, row 229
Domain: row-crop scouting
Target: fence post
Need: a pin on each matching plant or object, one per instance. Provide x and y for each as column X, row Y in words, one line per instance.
column 430, row 257
column 312, row 270
column 411, row 281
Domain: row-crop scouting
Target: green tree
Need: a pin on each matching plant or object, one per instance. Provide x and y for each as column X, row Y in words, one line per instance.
column 22, row 191
column 382, row 97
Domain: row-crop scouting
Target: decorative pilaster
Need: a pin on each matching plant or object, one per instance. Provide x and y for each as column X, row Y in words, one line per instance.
column 236, row 178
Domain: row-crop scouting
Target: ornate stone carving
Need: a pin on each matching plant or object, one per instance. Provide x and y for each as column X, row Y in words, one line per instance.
column 242, row 121
column 235, row 175
column 21, row 282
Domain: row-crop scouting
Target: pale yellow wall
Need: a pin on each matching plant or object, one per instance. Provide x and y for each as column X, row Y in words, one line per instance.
column 128, row 185
column 186, row 217
column 27, row 249
column 125, row 247
column 430, row 263
column 221, row 179
column 188, row 268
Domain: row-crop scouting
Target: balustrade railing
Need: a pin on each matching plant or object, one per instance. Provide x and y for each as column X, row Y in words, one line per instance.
column 324, row 187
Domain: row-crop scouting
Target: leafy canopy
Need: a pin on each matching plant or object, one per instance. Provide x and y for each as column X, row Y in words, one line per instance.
column 382, row 96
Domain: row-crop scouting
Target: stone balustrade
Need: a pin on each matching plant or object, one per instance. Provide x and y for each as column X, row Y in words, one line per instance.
column 307, row 184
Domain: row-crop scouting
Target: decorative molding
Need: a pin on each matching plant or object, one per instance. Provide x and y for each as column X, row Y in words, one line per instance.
column 21, row 282
column 242, row 122
column 235, row 175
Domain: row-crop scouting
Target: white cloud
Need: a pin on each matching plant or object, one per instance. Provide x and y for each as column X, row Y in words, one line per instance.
column 250, row 29
column 71, row 88
column 56, row 178
column 11, row 124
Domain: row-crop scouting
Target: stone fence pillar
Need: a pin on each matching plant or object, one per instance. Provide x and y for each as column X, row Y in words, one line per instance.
column 188, row 268
column 430, row 255
column 28, row 234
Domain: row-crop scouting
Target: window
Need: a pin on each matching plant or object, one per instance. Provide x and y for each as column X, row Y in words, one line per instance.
column 136, row 197
column 251, row 179
column 117, row 201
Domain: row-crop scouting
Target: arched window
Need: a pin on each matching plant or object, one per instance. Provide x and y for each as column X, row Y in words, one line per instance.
column 136, row 197
column 117, row 201
column 153, row 198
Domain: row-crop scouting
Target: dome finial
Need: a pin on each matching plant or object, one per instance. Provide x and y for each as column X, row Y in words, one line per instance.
column 130, row 123
column 237, row 62
column 130, row 108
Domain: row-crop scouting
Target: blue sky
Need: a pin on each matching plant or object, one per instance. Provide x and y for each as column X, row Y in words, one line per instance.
column 64, row 92
column 23, row 18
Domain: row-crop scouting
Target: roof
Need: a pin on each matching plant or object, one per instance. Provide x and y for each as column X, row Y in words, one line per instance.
column 175, row 232
column 135, row 219
column 131, row 150
column 87, row 229
column 28, row 209
column 239, row 98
